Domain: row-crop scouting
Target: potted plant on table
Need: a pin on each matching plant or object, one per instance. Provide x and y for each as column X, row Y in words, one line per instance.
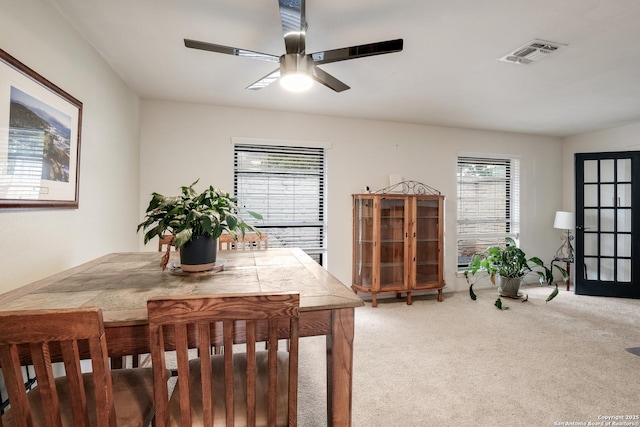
column 508, row 265
column 196, row 220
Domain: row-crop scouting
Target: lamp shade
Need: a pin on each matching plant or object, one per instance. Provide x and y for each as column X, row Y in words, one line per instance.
column 564, row 220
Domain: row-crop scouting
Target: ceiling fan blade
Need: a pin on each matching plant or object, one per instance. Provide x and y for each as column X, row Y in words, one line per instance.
column 328, row 80
column 360, row 51
column 194, row 44
column 265, row 81
column 294, row 25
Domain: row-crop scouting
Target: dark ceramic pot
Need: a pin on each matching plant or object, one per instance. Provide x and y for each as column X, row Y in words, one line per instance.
column 199, row 254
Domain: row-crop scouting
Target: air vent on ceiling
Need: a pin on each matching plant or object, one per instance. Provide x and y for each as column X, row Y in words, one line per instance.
column 532, row 51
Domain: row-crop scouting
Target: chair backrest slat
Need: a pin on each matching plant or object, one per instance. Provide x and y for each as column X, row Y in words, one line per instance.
column 41, row 360
column 71, row 357
column 50, row 336
column 204, row 348
column 228, row 331
column 251, row 372
column 248, row 242
column 182, row 360
column 239, row 318
column 10, row 364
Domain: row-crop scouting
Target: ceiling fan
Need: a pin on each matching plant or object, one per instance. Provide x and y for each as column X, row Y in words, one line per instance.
column 297, row 68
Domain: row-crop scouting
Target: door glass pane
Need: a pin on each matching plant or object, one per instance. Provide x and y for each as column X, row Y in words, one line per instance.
column 624, row 245
column 590, row 244
column 607, row 269
column 607, row 245
column 607, row 195
column 591, row 268
column 591, row 219
column 590, row 171
column 624, row 220
column 624, row 270
column 591, row 195
column 607, row 219
column 624, row 170
column 624, row 195
column 606, row 170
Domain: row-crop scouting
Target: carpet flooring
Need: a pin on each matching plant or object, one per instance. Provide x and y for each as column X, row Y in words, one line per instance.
column 465, row 363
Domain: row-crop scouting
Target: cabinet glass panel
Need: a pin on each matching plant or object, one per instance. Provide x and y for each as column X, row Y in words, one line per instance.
column 427, row 244
column 363, row 236
column 392, row 238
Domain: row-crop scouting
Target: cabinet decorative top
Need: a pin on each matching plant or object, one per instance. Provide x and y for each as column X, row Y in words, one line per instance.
column 409, row 187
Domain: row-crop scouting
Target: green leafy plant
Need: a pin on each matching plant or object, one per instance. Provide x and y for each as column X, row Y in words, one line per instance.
column 509, row 261
column 209, row 213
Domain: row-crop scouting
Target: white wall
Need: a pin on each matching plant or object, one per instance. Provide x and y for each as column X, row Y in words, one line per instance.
column 183, row 142
column 37, row 243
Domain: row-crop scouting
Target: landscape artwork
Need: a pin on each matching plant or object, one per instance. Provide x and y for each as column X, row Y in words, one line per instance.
column 40, row 127
column 39, row 139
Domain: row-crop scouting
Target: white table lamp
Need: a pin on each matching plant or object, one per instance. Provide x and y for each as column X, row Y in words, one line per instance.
column 564, row 221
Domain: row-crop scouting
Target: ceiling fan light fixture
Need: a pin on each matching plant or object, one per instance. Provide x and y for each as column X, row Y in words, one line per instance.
column 296, row 82
column 295, row 72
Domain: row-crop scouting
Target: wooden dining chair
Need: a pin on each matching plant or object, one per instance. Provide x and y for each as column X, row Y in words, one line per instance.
column 248, row 242
column 102, row 397
column 243, row 386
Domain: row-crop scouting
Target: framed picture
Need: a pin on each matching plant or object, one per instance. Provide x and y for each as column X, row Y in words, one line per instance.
column 39, row 140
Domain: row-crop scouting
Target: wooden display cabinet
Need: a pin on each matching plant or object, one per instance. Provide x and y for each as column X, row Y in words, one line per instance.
column 397, row 244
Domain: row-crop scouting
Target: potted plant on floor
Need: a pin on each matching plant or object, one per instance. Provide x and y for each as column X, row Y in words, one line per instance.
column 196, row 220
column 508, row 265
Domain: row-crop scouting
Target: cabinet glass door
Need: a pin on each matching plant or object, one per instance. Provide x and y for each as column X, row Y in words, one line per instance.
column 363, row 237
column 392, row 243
column 427, row 250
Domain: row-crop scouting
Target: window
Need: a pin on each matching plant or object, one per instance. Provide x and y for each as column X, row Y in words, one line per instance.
column 286, row 186
column 488, row 204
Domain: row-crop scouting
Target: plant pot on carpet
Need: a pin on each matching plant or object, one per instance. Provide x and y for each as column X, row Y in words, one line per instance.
column 196, row 220
column 508, row 265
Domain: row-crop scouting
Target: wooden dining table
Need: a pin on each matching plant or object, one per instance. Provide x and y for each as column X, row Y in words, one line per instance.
column 121, row 283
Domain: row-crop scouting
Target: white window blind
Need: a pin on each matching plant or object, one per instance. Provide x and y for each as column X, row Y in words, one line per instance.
column 286, row 186
column 488, row 204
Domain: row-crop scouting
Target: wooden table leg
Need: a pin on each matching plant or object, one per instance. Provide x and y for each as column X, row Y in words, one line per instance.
column 340, row 367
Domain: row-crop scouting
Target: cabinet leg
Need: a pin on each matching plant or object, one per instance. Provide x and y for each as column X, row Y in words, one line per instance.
column 439, row 295
column 398, row 295
column 408, row 298
column 374, row 302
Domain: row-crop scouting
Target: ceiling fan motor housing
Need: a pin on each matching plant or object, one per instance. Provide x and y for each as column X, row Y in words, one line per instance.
column 295, row 63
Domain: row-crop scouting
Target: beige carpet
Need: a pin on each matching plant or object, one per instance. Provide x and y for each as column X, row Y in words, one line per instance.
column 466, row 363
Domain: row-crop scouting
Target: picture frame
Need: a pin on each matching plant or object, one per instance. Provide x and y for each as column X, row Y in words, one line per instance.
column 40, row 128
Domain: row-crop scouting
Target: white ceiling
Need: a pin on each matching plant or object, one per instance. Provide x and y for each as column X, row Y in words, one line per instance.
column 448, row 73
